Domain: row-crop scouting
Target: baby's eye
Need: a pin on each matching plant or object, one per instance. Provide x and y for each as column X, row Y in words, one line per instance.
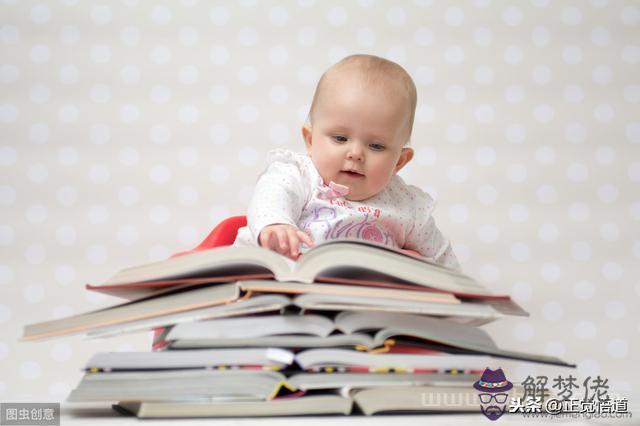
column 376, row 146
column 340, row 138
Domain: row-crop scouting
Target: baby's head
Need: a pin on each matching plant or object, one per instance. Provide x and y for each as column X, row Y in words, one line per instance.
column 360, row 123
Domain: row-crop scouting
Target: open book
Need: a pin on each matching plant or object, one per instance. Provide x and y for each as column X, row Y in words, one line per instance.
column 336, row 259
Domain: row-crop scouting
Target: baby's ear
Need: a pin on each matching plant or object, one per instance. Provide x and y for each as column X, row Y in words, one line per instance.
column 306, row 135
column 405, row 156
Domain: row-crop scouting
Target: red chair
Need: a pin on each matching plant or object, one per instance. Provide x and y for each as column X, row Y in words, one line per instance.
column 224, row 234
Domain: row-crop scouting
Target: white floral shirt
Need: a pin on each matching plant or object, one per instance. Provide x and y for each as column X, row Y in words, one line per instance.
column 291, row 191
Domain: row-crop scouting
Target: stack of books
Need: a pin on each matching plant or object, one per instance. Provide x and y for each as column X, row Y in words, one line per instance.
column 351, row 327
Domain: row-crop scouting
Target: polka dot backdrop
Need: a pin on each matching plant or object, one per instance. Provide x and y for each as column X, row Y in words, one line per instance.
column 130, row 128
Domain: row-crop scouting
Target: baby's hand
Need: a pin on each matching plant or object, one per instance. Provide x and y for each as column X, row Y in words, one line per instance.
column 284, row 239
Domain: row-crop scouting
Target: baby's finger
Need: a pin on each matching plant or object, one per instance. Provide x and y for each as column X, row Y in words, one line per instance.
column 305, row 238
column 282, row 241
column 294, row 243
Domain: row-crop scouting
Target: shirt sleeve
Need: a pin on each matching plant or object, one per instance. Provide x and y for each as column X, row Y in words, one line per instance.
column 280, row 193
column 425, row 237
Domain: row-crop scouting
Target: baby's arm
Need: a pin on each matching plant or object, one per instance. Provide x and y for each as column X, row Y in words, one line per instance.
column 276, row 206
column 425, row 237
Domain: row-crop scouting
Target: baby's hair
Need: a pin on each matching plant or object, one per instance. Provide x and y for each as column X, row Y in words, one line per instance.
column 374, row 69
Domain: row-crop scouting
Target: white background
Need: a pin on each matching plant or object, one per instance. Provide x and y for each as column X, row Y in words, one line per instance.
column 129, row 129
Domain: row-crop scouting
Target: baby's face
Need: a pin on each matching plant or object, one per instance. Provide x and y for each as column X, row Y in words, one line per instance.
column 358, row 135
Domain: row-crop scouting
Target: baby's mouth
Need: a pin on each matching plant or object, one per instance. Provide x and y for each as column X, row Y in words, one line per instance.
column 351, row 173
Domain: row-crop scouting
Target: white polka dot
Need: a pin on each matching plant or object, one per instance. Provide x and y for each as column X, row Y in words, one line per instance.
column 188, row 157
column 335, row 53
column 39, row 94
column 581, row 251
column 40, row 54
column 247, row 36
column 66, row 235
column 458, row 213
column 278, row 94
column 37, row 214
column 9, row 34
column 129, row 156
column 515, row 133
column 279, row 134
column 425, row 113
column 631, row 54
column 101, row 14
column 7, row 235
column 160, row 174
column 188, row 114
column 161, row 15
column 555, row 348
column 188, row 75
column 38, row 173
column 456, row 133
column 158, row 252
column 5, row 313
column 188, row 196
column 248, row 156
column 489, row 273
column 521, row 291
column 59, row 390
column 219, row 174
column 579, row 212
column 454, row 16
column 278, row 16
column 485, row 114
column 129, row 113
column 607, row 193
column 550, row 272
column 127, row 235
column 612, row 271
column 7, row 193
column 62, row 311
column 9, row 73
column 543, row 113
column 514, row 94
column 588, row 367
column 517, row 173
column 454, row 55
column 457, row 173
column 605, row 154
column 68, row 113
column 635, row 211
column 100, row 54
column 456, row 94
column 99, row 174
column 573, row 94
column 618, row 348
column 630, row 15
column 518, row 213
column 632, row 94
column 552, row 311
column 188, row 235
column 601, row 74
column 545, row 155
column 600, row 36
column 577, row 172
column 513, row 55
column 97, row 254
column 634, row 172
column 486, row 156
column 366, row 37
column 583, row 290
column 609, row 232
column 67, row 195
column 128, row 196
column 130, row 35
column 219, row 15
column 483, row 75
column 278, row 55
column 248, row 114
column 520, row 252
column 248, row 75
column 99, row 134
column 487, row 194
column 219, row 134
column 307, row 36
column 572, row 55
column 30, row 370
column 512, row 16
column 603, row 113
column 576, row 133
column 98, row 214
column 541, row 36
column 426, row 155
column 571, row 16
column 65, row 275
column 188, row 36
column 523, row 331
column 35, row 254
column 61, row 352
column 307, row 75
column 488, row 233
column 548, row 232
column 4, row 351
column 159, row 214
column 614, row 309
column 161, row 55
column 586, row 330
column 423, row 36
column 396, row 16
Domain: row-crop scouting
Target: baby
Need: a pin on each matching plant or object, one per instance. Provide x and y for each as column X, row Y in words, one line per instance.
column 347, row 186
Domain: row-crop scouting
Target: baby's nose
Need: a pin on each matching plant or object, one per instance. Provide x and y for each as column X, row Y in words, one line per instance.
column 355, row 153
